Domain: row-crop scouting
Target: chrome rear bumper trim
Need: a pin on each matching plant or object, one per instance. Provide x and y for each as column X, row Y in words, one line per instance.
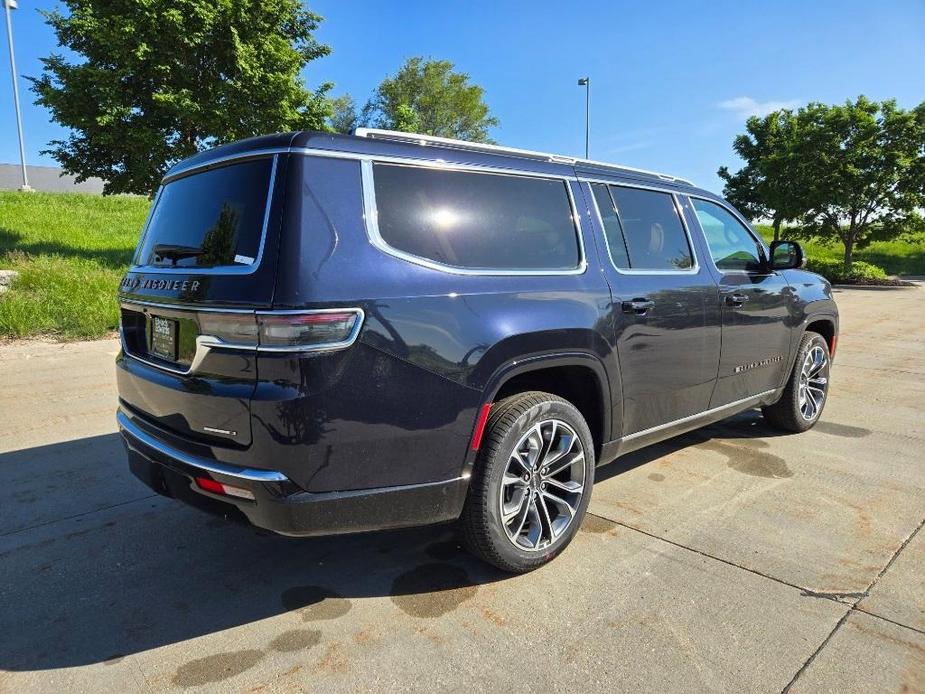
column 126, row 426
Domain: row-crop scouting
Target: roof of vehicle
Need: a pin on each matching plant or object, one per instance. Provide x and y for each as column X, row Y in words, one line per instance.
column 373, row 142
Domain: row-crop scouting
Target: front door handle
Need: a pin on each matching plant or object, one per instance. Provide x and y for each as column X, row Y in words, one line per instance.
column 639, row 307
column 736, row 300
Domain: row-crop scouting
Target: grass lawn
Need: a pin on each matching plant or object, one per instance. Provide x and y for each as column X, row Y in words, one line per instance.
column 71, row 250
column 896, row 257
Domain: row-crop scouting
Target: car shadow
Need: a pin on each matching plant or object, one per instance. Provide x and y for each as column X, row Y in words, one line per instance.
column 93, row 567
column 115, row 258
column 746, row 425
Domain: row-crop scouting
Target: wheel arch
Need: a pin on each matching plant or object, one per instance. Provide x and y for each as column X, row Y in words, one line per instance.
column 579, row 377
column 826, row 326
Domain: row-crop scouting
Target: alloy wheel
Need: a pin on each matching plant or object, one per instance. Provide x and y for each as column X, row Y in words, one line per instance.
column 814, row 382
column 542, row 485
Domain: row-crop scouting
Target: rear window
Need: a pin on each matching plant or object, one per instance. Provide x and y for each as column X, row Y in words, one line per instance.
column 209, row 219
column 652, row 230
column 477, row 220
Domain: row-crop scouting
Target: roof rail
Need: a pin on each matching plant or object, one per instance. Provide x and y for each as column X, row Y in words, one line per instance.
column 415, row 138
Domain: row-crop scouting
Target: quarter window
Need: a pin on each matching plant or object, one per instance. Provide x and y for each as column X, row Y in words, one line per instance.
column 612, row 228
column 476, row 220
column 652, row 233
column 731, row 244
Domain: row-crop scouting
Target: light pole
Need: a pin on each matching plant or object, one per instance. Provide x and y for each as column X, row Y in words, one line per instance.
column 586, row 83
column 11, row 5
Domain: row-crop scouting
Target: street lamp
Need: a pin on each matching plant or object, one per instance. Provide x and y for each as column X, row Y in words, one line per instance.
column 12, row 5
column 586, row 83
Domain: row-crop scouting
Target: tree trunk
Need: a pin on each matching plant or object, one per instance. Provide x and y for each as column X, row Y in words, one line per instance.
column 776, row 224
column 849, row 252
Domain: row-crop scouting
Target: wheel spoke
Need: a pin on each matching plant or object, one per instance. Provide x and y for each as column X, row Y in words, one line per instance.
column 510, row 479
column 559, row 454
column 522, row 514
column 508, row 514
column 535, row 533
column 535, row 447
column 818, row 390
column 542, row 504
column 546, row 445
column 571, row 487
column 810, row 409
column 561, row 503
column 563, row 465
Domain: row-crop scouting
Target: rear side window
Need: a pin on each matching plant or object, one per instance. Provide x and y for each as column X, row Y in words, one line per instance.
column 475, row 220
column 652, row 230
column 209, row 219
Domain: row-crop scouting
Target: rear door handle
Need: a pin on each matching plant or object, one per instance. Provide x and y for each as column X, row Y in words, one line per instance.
column 638, row 306
column 736, row 300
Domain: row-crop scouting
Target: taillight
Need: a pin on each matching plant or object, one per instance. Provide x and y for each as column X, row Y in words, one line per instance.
column 236, row 328
column 211, row 485
column 322, row 329
column 282, row 331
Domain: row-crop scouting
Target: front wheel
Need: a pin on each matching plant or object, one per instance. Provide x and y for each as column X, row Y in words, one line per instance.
column 531, row 484
column 807, row 389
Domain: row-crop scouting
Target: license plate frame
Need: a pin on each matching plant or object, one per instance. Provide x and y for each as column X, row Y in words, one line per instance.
column 164, row 338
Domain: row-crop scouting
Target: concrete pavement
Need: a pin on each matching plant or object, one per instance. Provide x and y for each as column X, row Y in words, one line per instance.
column 730, row 559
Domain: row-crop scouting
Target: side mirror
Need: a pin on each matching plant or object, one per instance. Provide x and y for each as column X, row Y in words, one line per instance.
column 786, row 255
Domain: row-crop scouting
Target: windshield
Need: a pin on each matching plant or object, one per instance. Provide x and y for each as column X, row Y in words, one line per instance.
column 209, row 219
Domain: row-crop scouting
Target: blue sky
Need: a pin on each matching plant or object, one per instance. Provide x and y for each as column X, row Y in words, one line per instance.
column 672, row 82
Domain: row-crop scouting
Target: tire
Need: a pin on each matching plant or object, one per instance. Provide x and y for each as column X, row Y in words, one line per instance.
column 529, row 462
column 807, row 389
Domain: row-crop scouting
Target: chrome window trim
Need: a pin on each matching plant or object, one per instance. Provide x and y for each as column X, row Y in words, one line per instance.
column 370, row 214
column 223, row 269
column 679, row 209
column 126, row 425
column 698, row 415
column 748, row 228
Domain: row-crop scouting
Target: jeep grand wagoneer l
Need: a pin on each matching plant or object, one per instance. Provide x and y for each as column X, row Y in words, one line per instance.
column 326, row 333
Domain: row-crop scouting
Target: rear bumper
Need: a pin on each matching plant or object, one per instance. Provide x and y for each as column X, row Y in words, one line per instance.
column 279, row 505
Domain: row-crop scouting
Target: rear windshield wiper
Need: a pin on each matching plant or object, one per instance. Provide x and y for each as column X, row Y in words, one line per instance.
column 175, row 252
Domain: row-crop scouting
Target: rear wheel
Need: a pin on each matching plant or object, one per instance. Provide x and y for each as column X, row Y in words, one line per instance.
column 807, row 389
column 531, row 484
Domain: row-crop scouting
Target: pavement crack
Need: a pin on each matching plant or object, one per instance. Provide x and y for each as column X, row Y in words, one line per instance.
column 891, row 621
column 834, row 595
column 854, row 607
column 708, row 556
column 76, row 515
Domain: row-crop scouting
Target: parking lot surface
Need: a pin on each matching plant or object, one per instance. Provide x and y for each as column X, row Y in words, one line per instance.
column 733, row 558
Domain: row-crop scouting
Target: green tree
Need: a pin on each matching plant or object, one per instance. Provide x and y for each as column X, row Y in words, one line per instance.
column 427, row 96
column 865, row 171
column 768, row 186
column 343, row 116
column 156, row 82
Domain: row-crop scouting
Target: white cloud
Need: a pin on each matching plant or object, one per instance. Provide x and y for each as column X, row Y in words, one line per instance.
column 746, row 106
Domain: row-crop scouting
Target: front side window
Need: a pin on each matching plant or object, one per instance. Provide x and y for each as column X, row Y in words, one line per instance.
column 652, row 230
column 476, row 220
column 209, row 219
column 731, row 244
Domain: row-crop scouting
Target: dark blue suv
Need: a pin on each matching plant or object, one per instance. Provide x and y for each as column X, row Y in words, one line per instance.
column 325, row 334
